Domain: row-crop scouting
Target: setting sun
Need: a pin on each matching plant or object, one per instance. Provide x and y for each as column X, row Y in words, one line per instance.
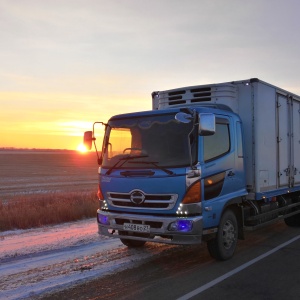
column 81, row 148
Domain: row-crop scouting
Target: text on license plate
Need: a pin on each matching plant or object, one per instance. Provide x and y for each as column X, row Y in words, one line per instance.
column 136, row 227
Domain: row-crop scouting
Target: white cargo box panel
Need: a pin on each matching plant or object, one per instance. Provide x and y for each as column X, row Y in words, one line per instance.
column 271, row 124
column 271, row 120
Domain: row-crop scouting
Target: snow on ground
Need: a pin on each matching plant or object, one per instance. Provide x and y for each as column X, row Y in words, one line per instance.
column 20, row 242
column 36, row 261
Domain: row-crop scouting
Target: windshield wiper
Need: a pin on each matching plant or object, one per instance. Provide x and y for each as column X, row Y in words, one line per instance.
column 123, row 160
column 154, row 163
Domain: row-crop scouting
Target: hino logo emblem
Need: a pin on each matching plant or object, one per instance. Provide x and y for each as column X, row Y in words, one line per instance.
column 137, row 197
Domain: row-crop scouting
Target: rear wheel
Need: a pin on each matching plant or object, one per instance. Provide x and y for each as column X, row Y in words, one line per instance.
column 222, row 247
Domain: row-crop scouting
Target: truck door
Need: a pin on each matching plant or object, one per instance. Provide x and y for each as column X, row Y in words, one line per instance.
column 221, row 179
column 296, row 140
column 284, row 136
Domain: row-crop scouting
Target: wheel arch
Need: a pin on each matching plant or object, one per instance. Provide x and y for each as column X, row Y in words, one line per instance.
column 235, row 205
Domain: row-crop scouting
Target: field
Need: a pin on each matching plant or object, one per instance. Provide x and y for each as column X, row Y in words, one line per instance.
column 37, row 172
column 46, row 187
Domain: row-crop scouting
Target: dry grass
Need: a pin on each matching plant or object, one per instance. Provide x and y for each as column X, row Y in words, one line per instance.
column 52, row 208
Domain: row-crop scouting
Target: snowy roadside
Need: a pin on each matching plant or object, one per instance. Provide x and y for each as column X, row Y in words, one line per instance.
column 18, row 243
column 36, row 261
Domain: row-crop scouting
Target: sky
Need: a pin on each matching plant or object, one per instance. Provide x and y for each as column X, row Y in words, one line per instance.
column 65, row 64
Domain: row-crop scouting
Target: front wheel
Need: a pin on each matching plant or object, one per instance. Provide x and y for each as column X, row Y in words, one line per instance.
column 222, row 247
column 131, row 243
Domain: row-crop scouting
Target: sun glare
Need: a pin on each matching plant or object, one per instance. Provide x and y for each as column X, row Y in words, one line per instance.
column 81, row 148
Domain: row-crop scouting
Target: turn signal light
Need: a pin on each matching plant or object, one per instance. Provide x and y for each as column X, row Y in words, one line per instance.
column 193, row 194
column 99, row 193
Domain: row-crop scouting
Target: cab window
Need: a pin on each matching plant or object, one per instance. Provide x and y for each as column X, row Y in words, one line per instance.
column 218, row 144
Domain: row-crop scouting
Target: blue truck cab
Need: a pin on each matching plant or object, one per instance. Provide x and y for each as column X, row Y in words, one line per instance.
column 178, row 174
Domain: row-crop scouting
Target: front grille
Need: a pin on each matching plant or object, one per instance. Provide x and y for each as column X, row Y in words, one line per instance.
column 152, row 201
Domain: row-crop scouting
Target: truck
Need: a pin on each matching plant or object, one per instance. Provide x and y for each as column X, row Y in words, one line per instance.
column 206, row 164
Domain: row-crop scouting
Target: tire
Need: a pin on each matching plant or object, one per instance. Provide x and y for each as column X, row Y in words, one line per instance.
column 223, row 246
column 132, row 243
column 293, row 221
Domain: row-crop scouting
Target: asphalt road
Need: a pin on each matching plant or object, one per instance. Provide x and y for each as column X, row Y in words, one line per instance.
column 266, row 266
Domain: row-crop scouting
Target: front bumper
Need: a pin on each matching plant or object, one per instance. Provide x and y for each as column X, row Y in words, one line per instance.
column 159, row 228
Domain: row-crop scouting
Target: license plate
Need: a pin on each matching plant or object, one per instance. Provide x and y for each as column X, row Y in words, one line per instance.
column 136, row 227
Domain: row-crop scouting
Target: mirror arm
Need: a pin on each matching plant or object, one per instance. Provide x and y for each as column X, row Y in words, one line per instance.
column 99, row 159
column 194, row 119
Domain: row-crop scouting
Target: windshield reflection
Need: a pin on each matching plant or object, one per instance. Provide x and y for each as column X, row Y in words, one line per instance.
column 154, row 141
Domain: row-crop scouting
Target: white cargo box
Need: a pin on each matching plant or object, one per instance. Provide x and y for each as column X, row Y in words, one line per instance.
column 271, row 122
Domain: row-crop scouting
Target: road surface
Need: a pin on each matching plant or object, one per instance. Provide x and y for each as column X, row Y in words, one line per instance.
column 72, row 262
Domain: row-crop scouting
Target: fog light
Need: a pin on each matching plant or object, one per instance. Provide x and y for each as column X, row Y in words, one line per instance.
column 185, row 225
column 181, row 225
column 103, row 219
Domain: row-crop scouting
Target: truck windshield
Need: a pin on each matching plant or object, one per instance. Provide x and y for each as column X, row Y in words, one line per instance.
column 148, row 142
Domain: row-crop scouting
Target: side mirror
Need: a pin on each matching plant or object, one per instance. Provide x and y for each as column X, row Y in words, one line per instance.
column 207, row 124
column 88, row 139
